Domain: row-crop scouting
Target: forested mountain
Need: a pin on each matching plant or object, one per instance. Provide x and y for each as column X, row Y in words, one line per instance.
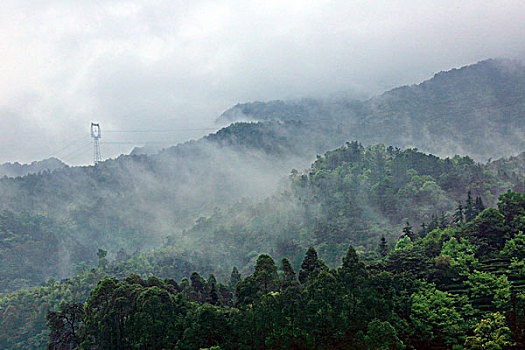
column 135, row 201
column 17, row 169
column 459, row 286
column 475, row 110
column 352, row 195
column 251, row 188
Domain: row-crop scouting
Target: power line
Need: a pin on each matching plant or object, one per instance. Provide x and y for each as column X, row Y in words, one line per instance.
column 76, row 149
column 134, row 143
column 162, row 130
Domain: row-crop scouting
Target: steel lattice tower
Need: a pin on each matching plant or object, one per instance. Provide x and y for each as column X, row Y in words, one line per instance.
column 96, row 135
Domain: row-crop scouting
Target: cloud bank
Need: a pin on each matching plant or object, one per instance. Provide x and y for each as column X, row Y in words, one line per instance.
column 176, row 65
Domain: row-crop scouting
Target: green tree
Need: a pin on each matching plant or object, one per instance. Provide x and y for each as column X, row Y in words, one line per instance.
column 381, row 335
column 458, row 216
column 289, row 277
column 64, row 326
column 490, row 230
column 235, row 277
column 407, row 231
column 512, row 206
column 352, row 272
column 205, row 327
column 491, row 333
column 311, row 266
column 102, row 261
column 383, row 247
column 436, row 318
column 265, row 274
column 470, row 210
column 213, row 296
column 157, row 319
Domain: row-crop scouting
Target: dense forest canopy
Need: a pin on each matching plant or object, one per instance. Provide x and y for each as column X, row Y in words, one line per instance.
column 135, row 201
column 334, row 243
column 338, row 202
column 458, row 286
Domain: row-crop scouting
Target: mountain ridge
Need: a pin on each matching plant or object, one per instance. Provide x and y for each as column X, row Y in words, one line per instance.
column 16, row 169
column 475, row 110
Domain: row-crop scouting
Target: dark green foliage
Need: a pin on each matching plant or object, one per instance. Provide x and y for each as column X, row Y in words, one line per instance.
column 235, row 277
column 64, row 326
column 311, row 266
column 266, row 274
column 289, row 278
column 512, row 206
column 490, row 230
column 458, row 217
column 407, row 231
column 353, row 272
column 205, row 326
column 382, row 336
column 352, row 195
column 470, row 209
column 383, row 247
column 119, row 315
column 30, row 250
column 431, row 293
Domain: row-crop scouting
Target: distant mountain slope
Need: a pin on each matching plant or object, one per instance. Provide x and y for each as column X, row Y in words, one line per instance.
column 512, row 166
column 17, row 169
column 477, row 110
column 137, row 201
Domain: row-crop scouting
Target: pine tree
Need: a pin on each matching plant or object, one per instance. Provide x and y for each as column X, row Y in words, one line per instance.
column 383, row 247
column 289, row 277
column 478, row 205
column 443, row 222
column 457, row 218
column 310, row 267
column 407, row 231
column 102, row 260
column 433, row 224
column 198, row 284
column 213, row 296
column 470, row 212
column 423, row 232
column 265, row 274
column 235, row 277
column 352, row 272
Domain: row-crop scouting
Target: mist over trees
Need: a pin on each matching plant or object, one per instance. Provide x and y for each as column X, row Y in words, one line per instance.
column 449, row 288
column 475, row 110
column 283, row 226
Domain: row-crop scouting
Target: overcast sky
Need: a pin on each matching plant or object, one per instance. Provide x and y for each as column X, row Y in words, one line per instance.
column 176, row 65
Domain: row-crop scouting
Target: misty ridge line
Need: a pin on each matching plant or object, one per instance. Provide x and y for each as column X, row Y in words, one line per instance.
column 136, row 201
column 321, row 108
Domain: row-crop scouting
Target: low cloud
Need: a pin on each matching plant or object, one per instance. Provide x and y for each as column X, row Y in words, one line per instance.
column 141, row 65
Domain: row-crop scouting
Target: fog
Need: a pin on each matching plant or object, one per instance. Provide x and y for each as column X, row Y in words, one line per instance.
column 176, row 65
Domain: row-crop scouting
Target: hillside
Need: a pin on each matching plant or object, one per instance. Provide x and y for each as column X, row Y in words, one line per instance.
column 437, row 291
column 17, row 169
column 476, row 110
column 459, row 285
column 140, row 202
column 352, row 195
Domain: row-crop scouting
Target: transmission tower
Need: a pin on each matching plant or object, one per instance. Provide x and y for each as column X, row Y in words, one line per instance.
column 96, row 135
